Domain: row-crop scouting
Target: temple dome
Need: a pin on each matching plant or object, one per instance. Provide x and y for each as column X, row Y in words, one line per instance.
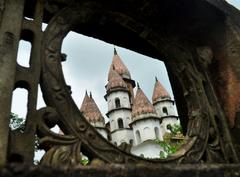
column 159, row 92
column 115, row 81
column 90, row 110
column 119, row 66
column 142, row 106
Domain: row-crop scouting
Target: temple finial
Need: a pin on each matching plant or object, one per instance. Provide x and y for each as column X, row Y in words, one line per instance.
column 115, row 51
column 156, row 78
column 138, row 85
column 90, row 94
column 86, row 92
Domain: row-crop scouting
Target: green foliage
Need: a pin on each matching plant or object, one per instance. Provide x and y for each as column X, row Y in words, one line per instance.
column 172, row 141
column 84, row 161
column 163, row 155
column 175, row 129
column 168, row 148
column 16, row 123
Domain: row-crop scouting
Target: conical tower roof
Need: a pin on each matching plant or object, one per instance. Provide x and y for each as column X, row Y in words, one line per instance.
column 159, row 92
column 119, row 66
column 90, row 109
column 141, row 105
column 115, row 80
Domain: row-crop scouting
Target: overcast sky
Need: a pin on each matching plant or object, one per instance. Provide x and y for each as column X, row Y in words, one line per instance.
column 88, row 65
column 87, row 68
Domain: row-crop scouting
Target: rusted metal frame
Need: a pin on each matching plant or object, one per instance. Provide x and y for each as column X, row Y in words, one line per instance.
column 57, row 29
column 9, row 35
column 226, row 142
column 183, row 68
column 58, row 95
column 30, row 78
column 10, row 31
column 219, row 119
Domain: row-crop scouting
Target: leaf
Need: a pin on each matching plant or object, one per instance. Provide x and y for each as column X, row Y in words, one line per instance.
column 84, row 162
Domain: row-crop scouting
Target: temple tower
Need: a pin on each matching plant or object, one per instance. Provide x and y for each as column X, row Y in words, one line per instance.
column 122, row 70
column 145, row 122
column 119, row 107
column 146, row 127
column 93, row 115
column 164, row 106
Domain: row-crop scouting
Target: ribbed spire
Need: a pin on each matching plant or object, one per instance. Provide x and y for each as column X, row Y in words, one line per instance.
column 115, row 81
column 141, row 105
column 85, row 102
column 119, row 66
column 138, row 85
column 115, row 51
column 90, row 109
column 159, row 92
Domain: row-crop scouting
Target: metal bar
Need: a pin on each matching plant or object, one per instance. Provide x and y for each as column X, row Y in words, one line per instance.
column 9, row 38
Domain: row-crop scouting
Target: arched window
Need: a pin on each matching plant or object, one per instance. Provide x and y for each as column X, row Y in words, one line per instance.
column 156, row 130
column 117, row 103
column 131, row 141
column 147, row 134
column 138, row 137
column 120, row 123
column 165, row 111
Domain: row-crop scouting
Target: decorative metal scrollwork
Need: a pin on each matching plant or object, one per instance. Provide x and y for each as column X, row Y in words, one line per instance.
column 79, row 134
